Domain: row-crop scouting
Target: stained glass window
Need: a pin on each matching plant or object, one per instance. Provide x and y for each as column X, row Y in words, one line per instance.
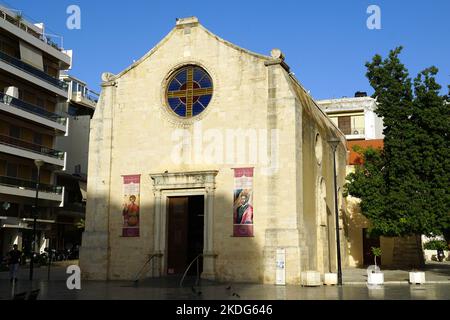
column 189, row 91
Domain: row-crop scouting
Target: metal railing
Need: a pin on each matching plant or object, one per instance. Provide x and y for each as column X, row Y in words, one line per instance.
column 33, row 71
column 354, row 131
column 82, row 95
column 138, row 276
column 30, row 185
column 196, row 259
column 20, row 104
column 92, row 97
column 73, row 207
column 28, row 146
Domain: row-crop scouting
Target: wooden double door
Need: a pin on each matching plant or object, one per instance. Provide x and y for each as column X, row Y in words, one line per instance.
column 185, row 232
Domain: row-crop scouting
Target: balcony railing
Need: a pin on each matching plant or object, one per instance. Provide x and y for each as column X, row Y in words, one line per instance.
column 28, row 146
column 81, row 96
column 352, row 131
column 29, row 185
column 357, row 131
column 17, row 103
column 79, row 208
column 33, row 71
column 92, row 97
column 18, row 23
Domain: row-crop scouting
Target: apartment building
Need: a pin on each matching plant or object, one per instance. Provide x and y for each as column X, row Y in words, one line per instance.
column 33, row 114
column 81, row 106
column 356, row 118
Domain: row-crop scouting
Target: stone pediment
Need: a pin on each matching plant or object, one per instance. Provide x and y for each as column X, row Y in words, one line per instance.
column 184, row 180
column 187, row 24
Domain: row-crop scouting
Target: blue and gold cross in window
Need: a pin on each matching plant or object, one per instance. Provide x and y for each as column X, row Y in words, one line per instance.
column 189, row 91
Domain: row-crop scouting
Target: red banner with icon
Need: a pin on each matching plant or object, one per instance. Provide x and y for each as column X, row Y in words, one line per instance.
column 243, row 202
column 130, row 210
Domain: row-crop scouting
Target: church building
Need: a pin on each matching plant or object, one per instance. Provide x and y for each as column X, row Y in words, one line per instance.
column 204, row 151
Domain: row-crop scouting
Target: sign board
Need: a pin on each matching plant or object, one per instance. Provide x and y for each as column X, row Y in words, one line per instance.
column 281, row 267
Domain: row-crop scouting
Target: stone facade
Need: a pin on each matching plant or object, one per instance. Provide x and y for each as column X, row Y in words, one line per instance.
column 132, row 132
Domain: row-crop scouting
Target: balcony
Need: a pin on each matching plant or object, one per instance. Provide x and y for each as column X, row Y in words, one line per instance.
column 88, row 100
column 49, row 82
column 26, row 188
column 33, row 35
column 354, row 133
column 18, row 22
column 77, row 210
column 30, row 150
column 31, row 112
column 30, row 185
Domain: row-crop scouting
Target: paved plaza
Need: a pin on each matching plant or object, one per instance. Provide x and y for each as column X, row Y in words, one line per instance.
column 396, row 288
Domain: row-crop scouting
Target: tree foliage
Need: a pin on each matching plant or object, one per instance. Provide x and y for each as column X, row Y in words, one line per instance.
column 404, row 189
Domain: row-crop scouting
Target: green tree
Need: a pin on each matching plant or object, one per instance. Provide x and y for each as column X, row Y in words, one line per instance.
column 404, row 189
column 367, row 183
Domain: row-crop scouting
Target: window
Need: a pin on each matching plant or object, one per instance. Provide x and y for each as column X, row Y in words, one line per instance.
column 344, row 124
column 11, row 170
column 50, row 70
column 318, row 149
column 358, row 125
column 74, row 86
column 14, row 132
column 350, row 124
column 37, row 138
column 189, row 91
column 33, row 174
column 2, row 167
column 40, row 102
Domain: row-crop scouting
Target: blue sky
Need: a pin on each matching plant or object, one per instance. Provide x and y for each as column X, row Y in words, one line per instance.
column 326, row 43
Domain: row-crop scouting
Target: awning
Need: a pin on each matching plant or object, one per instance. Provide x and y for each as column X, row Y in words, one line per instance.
column 31, row 55
column 83, row 189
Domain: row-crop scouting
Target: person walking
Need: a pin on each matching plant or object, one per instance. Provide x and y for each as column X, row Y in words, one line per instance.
column 14, row 258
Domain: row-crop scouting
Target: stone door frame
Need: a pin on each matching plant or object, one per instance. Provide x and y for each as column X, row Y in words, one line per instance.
column 178, row 184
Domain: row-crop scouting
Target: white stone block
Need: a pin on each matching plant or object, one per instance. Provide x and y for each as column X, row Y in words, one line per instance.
column 417, row 277
column 375, row 278
column 311, row 279
column 330, row 279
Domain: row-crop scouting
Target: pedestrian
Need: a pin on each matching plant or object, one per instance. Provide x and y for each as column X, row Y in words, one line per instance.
column 14, row 258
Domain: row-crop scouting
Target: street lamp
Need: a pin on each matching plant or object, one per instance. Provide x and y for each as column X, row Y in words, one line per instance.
column 38, row 164
column 334, row 142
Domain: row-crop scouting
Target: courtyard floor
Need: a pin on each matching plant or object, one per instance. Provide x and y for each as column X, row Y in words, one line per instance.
column 396, row 287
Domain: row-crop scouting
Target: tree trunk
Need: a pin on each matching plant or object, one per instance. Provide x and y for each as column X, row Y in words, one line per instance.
column 420, row 251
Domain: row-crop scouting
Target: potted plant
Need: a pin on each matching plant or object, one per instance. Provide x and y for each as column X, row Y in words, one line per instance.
column 18, row 19
column 375, row 277
column 376, row 253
